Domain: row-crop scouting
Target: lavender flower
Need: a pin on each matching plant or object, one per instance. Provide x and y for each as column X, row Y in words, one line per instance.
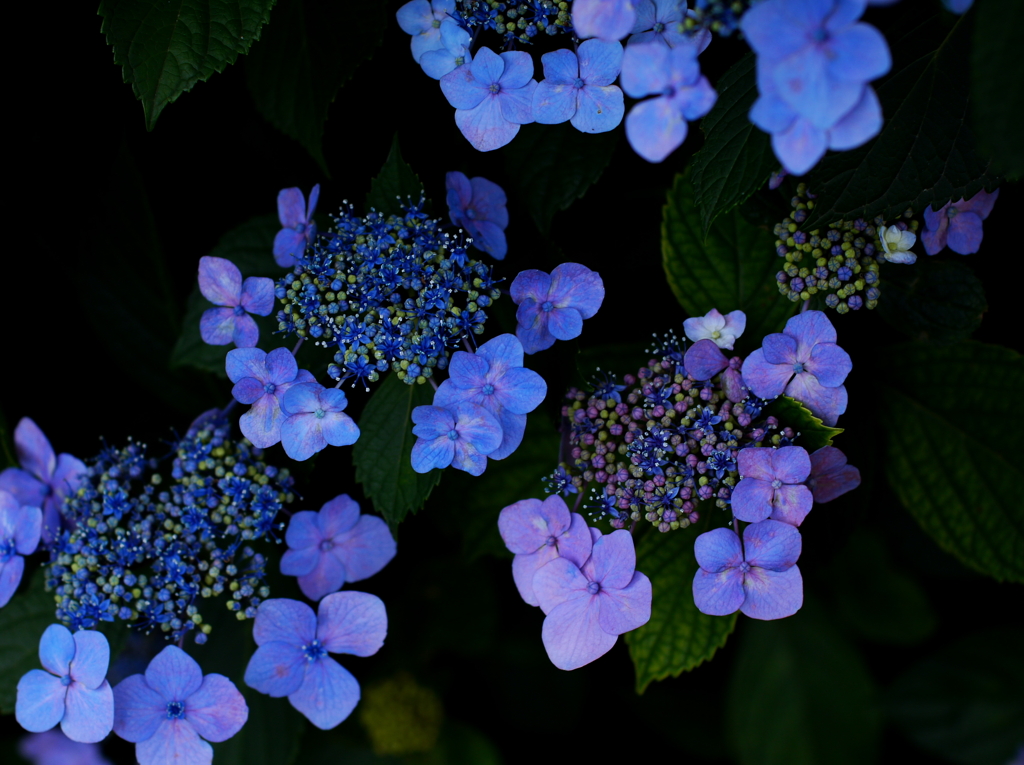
column 831, row 476
column 579, row 87
column 957, row 224
column 537, row 533
column 54, row 748
column 43, row 480
column 20, row 528
column 605, row 19
column 292, row 659
column 588, row 607
column 73, row 691
column 221, row 283
column 492, row 96
column 423, row 20
column 168, row 711
column 772, row 485
column 553, row 307
column 453, row 52
column 262, row 379
column 298, row 228
column 761, row 579
column 703, row 360
column 315, row 419
column 721, row 330
column 660, row 21
column 334, row 546
column 804, row 362
column 461, row 437
column 478, row 206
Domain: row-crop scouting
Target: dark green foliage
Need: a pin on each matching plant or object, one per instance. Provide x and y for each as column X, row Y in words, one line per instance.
column 395, row 182
column 939, row 300
column 814, row 434
column 997, row 84
column 22, row 623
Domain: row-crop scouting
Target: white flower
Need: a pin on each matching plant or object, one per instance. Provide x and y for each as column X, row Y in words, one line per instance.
column 721, row 330
column 897, row 244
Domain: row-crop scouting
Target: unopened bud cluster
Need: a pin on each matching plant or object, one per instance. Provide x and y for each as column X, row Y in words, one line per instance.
column 515, row 22
column 146, row 545
column 720, row 16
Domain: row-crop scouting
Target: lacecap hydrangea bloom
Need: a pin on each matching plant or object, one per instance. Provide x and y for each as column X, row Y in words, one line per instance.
column 315, row 418
column 957, row 224
column 20, row 528
column 553, row 306
column 221, row 283
column 772, row 485
column 478, row 206
column 461, row 437
column 262, row 379
column 423, row 19
column 579, row 87
column 297, row 226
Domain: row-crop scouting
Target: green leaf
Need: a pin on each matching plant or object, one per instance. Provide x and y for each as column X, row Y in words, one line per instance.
column 800, row 695
column 736, row 158
column 166, row 46
column 382, row 453
column 732, row 268
column 271, row 736
column 22, row 623
column 925, row 154
column 678, row 637
column 813, row 433
column 940, row 300
column 961, row 485
column 250, row 247
column 963, row 702
column 553, row 165
column 394, row 183
column 309, row 51
column 997, row 83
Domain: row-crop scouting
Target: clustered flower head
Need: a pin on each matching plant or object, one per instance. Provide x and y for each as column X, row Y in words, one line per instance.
column 386, row 292
column 148, row 541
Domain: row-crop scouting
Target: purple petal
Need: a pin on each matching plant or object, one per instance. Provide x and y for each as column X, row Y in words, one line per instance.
column 704, row 359
column 718, row 550
column 217, row 326
column 88, row 713
column 220, row 281
column 174, row 741
column 772, row 594
column 518, row 70
column 284, row 620
column 521, row 390
column 772, row 544
column 530, row 284
column 525, row 567
column 772, row 114
column 291, row 205
column 790, row 464
column 980, row 204
column 489, row 201
column 830, row 364
column 301, row 436
column 92, row 658
column 328, row 695
column 756, row 462
column 10, row 577
column 490, row 238
column 752, row 499
column 57, row 649
column 517, row 105
column 859, row 54
column 800, row 146
column 527, row 525
column 258, row 295
column 565, row 323
column 764, row 379
column 561, row 67
column 314, row 197
column 289, row 245
column 366, row 549
column 337, row 516
column 627, row 608
column 607, row 19
column 696, row 101
column 457, row 182
column 965, row 233
column 462, row 89
column 262, row 423
column 558, row 581
column 860, row 124
column 577, row 543
column 576, row 286
column 488, row 67
column 809, row 329
column 554, row 102
column 934, row 239
column 249, row 390
column 599, row 62
column 352, row 622
column 801, row 80
column 138, row 709
column 831, row 477
column 24, row 487
column 33, row 450
column 792, row 504
column 40, row 701
column 513, row 426
column 614, row 559
column 477, row 428
column 502, row 353
column 217, row 710
column 300, row 562
column 338, row 429
column 326, row 577
column 468, row 370
column 467, row 458
column 718, row 594
column 303, row 530
column 27, row 528
column 276, row 669
column 174, row 674
column 773, row 30
column 534, row 338
column 826, row 403
column 645, row 69
column 246, row 333
column 655, row 128
column 572, row 633
column 599, row 109
column 733, row 385
column 780, row 349
column 241, row 363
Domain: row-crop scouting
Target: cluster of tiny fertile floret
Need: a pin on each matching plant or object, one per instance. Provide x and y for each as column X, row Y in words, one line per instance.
column 390, row 291
column 515, row 22
column 144, row 547
column 661, row 444
column 720, row 16
column 839, row 264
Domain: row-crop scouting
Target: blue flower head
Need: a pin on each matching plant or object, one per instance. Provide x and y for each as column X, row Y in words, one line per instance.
column 478, row 206
column 20, row 528
column 578, row 87
column 553, row 307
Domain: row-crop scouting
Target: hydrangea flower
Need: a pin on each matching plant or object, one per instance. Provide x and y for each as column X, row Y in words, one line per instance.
column 831, row 476
column 169, row 710
column 606, row 19
column 52, row 747
column 721, row 330
column 315, row 419
column 461, row 437
column 423, row 20
column 262, row 379
column 553, row 307
column 803, row 361
column 221, row 283
column 537, row 533
column 656, row 127
column 20, row 528
column 292, row 659
column 896, row 244
column 494, row 377
column 588, row 607
column 958, row 7
column 298, row 227
column 761, row 578
column 492, row 96
column 43, row 480
column 659, row 21
column 957, row 224
column 453, row 52
column 334, row 546
column 579, row 87
column 478, row 206
column 703, row 360
column 73, row 691
column 772, row 485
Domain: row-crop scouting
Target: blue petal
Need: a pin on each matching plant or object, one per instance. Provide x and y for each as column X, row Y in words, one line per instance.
column 276, row 669
column 655, row 128
column 645, row 69
column 437, row 63
column 462, row 89
column 799, row 147
column 40, row 701
column 484, row 126
column 859, row 126
column 553, row 103
column 599, row 62
column 428, row 454
column 328, row 695
column 599, row 109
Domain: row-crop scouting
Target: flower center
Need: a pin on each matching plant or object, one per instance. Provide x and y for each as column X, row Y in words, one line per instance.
column 7, row 550
column 593, row 588
column 659, row 27
column 715, row 335
column 470, row 213
column 494, row 87
column 546, row 306
column 578, row 83
column 487, row 390
column 435, row 24
column 820, row 35
column 239, row 311
column 319, row 414
column 326, row 545
column 798, row 367
column 744, row 567
column 270, row 387
column 314, row 651
column 453, row 435
column 776, row 484
column 300, row 227
column 952, row 212
column 551, row 541
column 175, row 710
column 66, row 680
